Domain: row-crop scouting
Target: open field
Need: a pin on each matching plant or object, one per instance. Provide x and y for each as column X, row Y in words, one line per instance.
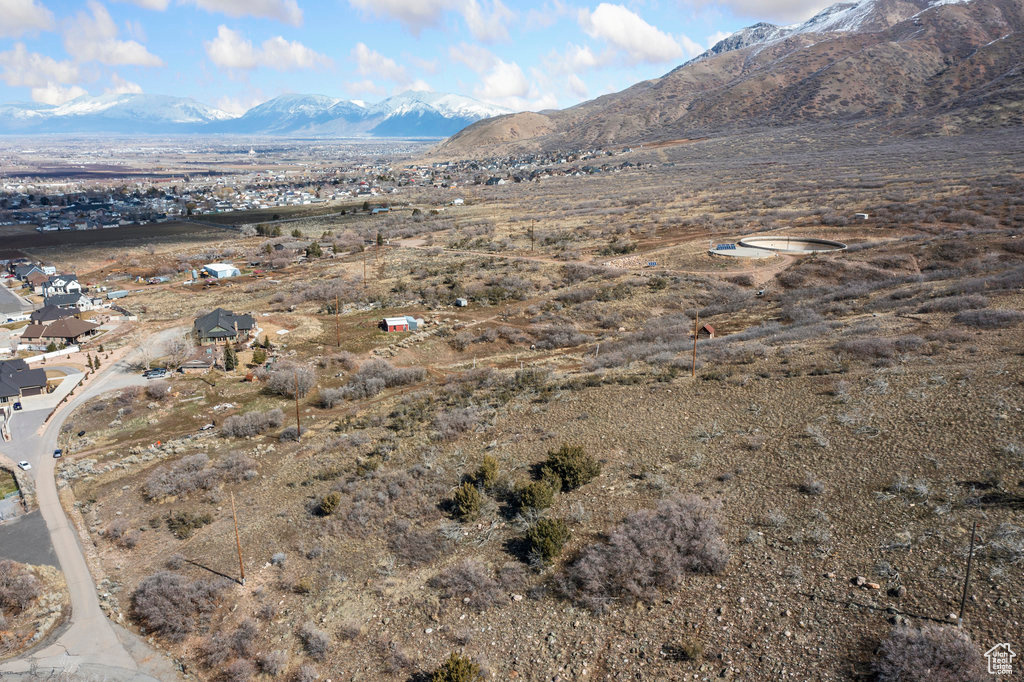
column 848, row 424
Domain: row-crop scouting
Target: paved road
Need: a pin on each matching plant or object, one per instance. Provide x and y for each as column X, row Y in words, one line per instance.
column 27, row 539
column 10, row 302
column 91, row 647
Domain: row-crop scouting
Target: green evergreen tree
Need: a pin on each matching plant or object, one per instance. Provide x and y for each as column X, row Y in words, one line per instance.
column 259, row 356
column 230, row 358
column 51, row 347
column 96, row 362
column 314, row 250
column 380, row 239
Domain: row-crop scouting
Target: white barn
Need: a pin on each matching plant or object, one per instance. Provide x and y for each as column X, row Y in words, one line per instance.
column 221, row 270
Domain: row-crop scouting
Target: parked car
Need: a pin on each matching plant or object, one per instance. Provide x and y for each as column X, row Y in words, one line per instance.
column 24, row 466
column 81, row 433
column 155, row 373
column 17, row 406
column 58, row 453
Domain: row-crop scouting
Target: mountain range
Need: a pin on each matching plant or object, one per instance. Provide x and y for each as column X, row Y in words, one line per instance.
column 409, row 114
column 926, row 66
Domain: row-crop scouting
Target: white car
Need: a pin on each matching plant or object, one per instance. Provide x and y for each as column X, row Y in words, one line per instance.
column 24, row 466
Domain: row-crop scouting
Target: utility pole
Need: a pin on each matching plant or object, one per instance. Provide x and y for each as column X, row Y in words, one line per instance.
column 337, row 320
column 298, row 426
column 967, row 577
column 238, row 541
column 533, row 231
column 364, row 268
column 696, row 318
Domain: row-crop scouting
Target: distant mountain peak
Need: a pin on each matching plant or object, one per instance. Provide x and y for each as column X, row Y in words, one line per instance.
column 414, row 113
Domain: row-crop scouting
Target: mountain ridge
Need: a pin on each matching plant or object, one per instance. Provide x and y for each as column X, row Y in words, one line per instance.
column 408, row 114
column 924, row 66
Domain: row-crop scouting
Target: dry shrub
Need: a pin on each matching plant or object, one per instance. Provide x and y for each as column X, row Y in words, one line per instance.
column 158, row 390
column 450, row 423
column 867, row 348
column 648, row 552
column 315, row 641
column 19, row 587
column 192, row 474
column 933, row 653
column 376, row 375
column 954, row 304
column 286, row 378
column 273, row 663
column 380, row 497
column 238, row 670
column 996, row 318
column 411, row 545
column 469, row 582
column 171, row 605
column 251, row 423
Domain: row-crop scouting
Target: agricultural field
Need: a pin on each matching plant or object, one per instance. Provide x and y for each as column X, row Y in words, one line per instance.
column 549, row 481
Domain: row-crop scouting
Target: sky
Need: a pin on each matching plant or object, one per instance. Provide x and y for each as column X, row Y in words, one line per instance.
column 234, row 54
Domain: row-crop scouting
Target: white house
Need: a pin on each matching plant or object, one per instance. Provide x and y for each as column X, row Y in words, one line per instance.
column 221, row 270
column 62, row 284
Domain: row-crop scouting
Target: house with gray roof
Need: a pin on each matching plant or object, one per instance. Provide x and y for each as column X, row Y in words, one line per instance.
column 222, row 326
column 18, row 380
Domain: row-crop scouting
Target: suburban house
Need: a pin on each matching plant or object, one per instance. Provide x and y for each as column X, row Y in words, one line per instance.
column 23, row 271
column 406, row 323
column 36, row 281
column 221, row 270
column 221, row 326
column 18, row 381
column 66, row 331
column 62, row 284
column 71, row 300
column 52, row 313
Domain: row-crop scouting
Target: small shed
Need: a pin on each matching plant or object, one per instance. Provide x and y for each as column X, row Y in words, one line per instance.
column 395, row 324
column 461, row 303
column 706, row 331
column 415, row 323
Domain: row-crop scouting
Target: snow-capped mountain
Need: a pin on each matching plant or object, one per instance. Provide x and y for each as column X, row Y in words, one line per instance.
column 124, row 113
column 410, row 114
column 842, row 17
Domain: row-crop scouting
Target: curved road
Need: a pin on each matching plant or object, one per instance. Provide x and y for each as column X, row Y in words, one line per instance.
column 90, row 647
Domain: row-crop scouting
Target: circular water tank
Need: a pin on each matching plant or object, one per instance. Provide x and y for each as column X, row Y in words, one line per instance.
column 792, row 244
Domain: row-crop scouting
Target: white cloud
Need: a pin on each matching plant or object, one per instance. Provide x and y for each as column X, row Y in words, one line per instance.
column 503, row 81
column 487, row 25
column 577, row 86
column 420, row 85
column 236, row 106
column 479, row 59
column 120, row 86
column 231, row 50
column 156, row 5
column 367, row 86
column 374, row 64
column 691, row 47
column 627, row 31
column 486, row 22
column 94, row 39
column 22, row 68
column 286, row 11
column 52, row 93
column 23, row 16
column 415, row 15
column 779, row 11
column 543, row 17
